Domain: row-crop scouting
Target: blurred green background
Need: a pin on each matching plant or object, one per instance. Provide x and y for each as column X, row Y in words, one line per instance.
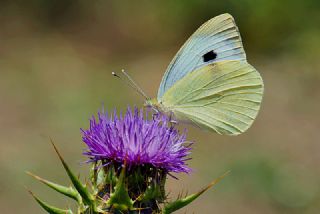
column 56, row 59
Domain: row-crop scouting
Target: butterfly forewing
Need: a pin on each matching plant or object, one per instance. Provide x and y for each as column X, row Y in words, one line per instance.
column 224, row 97
column 216, row 40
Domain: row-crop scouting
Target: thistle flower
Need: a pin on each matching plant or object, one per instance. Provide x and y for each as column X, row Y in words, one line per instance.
column 136, row 140
column 131, row 157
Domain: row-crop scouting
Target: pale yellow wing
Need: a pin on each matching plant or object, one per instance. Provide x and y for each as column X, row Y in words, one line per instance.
column 223, row 97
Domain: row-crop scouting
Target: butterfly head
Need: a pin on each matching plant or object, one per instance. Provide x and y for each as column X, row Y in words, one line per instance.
column 154, row 104
column 151, row 103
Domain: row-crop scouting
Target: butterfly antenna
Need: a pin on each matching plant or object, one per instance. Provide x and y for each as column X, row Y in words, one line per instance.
column 135, row 84
column 131, row 83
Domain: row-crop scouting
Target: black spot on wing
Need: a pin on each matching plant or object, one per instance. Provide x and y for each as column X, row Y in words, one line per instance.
column 211, row 55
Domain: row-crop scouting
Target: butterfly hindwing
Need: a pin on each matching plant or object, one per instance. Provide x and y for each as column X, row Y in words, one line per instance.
column 216, row 40
column 223, row 97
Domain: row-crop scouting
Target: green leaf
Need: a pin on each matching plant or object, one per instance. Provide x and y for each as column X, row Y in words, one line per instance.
column 67, row 191
column 120, row 199
column 87, row 197
column 173, row 206
column 50, row 209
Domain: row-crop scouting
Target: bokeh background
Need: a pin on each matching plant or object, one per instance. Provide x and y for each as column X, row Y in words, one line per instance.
column 55, row 63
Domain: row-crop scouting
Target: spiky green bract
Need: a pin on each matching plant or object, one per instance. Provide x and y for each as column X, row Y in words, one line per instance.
column 129, row 190
column 67, row 191
column 152, row 191
column 87, row 197
column 120, row 199
column 50, row 209
column 180, row 203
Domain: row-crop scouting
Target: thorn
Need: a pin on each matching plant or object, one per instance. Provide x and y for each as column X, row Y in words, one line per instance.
column 55, row 148
column 215, row 182
column 31, row 193
column 34, row 176
column 58, row 153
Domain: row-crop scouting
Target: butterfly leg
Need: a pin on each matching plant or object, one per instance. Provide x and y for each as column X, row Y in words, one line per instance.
column 156, row 114
column 172, row 119
column 173, row 123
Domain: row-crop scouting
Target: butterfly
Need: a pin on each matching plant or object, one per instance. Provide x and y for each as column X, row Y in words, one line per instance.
column 209, row 82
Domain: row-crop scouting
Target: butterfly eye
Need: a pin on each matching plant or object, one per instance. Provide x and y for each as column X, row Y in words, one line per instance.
column 211, row 55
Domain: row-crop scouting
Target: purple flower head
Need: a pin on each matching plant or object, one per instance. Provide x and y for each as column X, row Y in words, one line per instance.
column 137, row 141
